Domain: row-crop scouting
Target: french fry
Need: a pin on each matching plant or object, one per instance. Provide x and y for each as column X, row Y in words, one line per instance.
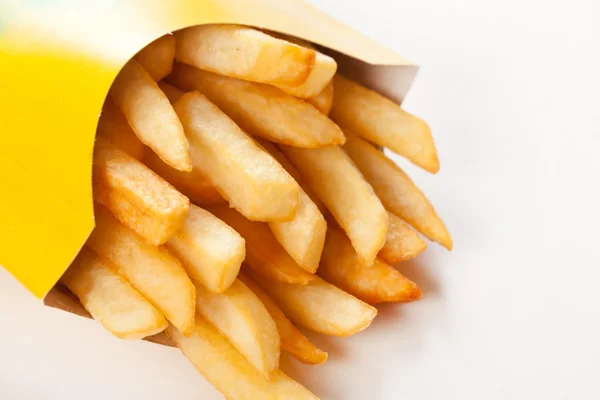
column 292, row 340
column 248, row 177
column 397, row 191
column 172, row 93
column 244, row 53
column 304, row 236
column 210, row 250
column 150, row 115
column 383, row 122
column 377, row 283
column 401, row 243
column 263, row 253
column 320, row 306
column 228, row 371
column 157, row 57
column 241, row 317
column 261, row 110
column 350, row 199
column 114, row 128
column 153, row 271
column 139, row 198
column 194, row 184
column 324, row 100
column 110, row 299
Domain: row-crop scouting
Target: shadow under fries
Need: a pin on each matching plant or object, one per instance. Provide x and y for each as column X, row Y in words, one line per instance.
column 416, row 271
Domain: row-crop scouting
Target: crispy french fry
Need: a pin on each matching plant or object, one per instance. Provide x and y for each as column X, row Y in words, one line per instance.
column 114, row 128
column 139, row 198
column 241, row 317
column 194, row 184
column 110, row 299
column 320, row 306
column 248, row 177
column 173, row 93
column 397, row 191
column 153, row 271
column 383, row 122
column 244, row 53
column 401, row 243
column 263, row 253
column 228, row 371
column 210, row 250
column 157, row 57
column 304, row 236
column 292, row 340
column 350, row 199
column 324, row 100
column 377, row 283
column 150, row 115
column 261, row 110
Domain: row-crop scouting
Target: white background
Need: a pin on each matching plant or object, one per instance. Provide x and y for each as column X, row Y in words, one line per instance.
column 511, row 90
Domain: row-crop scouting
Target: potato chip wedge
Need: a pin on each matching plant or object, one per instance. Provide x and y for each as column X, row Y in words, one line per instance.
column 241, row 317
column 304, row 236
column 401, row 243
column 383, row 122
column 247, row 176
column 114, row 128
column 172, row 93
column 292, row 340
column 397, row 191
column 228, row 371
column 194, row 184
column 320, row 306
column 350, row 199
column 244, row 53
column 373, row 284
column 261, row 110
column 210, row 250
column 150, row 115
column 152, row 208
column 157, row 57
column 153, row 271
column 264, row 254
column 324, row 100
column 110, row 299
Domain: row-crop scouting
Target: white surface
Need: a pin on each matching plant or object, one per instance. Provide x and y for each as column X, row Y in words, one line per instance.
column 511, row 92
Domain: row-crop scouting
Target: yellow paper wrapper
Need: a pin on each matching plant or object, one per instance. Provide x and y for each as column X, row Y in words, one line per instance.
column 58, row 59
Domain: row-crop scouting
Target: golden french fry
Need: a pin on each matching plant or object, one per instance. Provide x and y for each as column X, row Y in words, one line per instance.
column 304, row 236
column 244, row 53
column 320, row 306
column 172, row 93
column 248, row 177
column 194, row 184
column 350, row 199
column 377, row 283
column 114, row 128
column 261, row 110
column 150, row 115
column 110, row 299
column 240, row 316
column 292, row 340
column 324, row 100
column 139, row 198
column 401, row 243
column 263, row 253
column 383, row 122
column 153, row 271
column 228, row 371
column 157, row 57
column 210, row 250
column 397, row 191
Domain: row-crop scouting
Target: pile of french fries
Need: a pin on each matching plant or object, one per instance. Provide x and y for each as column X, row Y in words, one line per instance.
column 239, row 193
